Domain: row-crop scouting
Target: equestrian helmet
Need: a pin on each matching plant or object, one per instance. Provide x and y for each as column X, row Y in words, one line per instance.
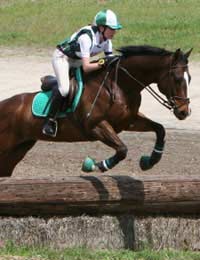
column 107, row 18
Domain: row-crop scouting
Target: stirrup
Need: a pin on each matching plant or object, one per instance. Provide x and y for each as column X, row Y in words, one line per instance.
column 50, row 128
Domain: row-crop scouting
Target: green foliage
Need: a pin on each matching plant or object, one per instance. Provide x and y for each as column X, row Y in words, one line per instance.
column 43, row 23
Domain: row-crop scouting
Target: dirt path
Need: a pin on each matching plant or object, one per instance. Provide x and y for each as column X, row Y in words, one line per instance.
column 20, row 71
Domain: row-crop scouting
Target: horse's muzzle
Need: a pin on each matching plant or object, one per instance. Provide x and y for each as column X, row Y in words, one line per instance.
column 180, row 107
column 182, row 114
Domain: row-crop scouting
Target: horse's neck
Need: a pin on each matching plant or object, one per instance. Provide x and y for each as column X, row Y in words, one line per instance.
column 147, row 69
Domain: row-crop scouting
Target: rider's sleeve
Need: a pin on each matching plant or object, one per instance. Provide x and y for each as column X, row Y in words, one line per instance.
column 85, row 45
column 108, row 48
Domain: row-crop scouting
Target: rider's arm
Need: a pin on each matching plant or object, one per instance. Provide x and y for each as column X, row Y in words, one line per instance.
column 85, row 44
column 87, row 66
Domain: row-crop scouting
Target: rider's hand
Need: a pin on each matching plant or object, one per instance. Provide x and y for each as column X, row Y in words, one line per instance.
column 104, row 62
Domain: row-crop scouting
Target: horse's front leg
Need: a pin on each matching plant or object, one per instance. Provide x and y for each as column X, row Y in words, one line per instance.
column 106, row 134
column 144, row 124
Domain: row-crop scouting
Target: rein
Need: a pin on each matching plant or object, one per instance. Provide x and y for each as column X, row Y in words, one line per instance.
column 103, row 83
column 158, row 97
column 169, row 104
column 97, row 95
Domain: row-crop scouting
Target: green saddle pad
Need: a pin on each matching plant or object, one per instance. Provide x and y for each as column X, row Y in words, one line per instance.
column 41, row 104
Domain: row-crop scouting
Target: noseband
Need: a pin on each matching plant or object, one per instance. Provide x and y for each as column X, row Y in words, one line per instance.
column 172, row 100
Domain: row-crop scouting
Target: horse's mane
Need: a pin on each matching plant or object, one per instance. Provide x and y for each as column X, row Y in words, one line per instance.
column 135, row 50
column 141, row 50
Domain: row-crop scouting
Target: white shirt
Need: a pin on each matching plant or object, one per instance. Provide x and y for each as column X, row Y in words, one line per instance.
column 92, row 47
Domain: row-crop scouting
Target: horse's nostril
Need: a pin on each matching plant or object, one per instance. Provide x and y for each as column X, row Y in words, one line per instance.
column 184, row 113
column 181, row 115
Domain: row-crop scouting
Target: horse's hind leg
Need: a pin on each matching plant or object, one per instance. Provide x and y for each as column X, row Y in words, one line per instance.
column 106, row 134
column 144, row 124
column 10, row 158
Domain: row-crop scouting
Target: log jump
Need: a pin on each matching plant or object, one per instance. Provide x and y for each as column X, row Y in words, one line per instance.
column 98, row 195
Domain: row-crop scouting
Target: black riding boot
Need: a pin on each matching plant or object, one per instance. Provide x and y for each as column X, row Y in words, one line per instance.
column 50, row 126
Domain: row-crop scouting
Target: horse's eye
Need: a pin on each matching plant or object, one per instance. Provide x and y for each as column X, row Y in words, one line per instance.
column 178, row 79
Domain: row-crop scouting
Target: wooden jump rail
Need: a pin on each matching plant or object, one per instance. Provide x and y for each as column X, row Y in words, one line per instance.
column 92, row 195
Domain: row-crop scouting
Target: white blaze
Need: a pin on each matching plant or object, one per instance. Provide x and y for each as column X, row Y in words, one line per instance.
column 186, row 77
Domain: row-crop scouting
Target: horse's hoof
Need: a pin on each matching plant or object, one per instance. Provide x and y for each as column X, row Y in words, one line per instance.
column 88, row 165
column 145, row 163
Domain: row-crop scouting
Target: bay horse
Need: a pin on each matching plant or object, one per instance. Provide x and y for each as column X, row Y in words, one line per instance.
column 109, row 104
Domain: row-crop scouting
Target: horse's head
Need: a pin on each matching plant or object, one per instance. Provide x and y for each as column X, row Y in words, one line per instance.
column 174, row 83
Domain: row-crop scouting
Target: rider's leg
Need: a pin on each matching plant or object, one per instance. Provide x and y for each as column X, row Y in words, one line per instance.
column 50, row 126
column 61, row 68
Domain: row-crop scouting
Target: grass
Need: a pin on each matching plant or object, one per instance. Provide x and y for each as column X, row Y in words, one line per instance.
column 43, row 23
column 86, row 254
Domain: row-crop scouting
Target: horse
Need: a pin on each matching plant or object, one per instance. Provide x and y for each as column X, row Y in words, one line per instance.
column 109, row 105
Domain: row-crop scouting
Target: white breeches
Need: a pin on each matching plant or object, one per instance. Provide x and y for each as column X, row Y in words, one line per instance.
column 61, row 65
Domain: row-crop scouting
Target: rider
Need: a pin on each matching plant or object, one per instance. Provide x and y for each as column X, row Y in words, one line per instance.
column 75, row 52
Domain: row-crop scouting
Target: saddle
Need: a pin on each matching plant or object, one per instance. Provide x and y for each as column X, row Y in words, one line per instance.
column 49, row 82
column 42, row 100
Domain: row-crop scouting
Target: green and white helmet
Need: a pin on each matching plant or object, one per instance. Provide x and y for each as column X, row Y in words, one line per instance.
column 107, row 18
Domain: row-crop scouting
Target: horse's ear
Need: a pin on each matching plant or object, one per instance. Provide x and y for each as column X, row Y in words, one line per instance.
column 176, row 55
column 187, row 54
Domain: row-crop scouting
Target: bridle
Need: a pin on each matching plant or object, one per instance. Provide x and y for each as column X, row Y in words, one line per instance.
column 170, row 103
column 172, row 99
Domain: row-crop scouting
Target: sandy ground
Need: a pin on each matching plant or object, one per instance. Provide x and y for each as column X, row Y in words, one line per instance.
column 20, row 71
